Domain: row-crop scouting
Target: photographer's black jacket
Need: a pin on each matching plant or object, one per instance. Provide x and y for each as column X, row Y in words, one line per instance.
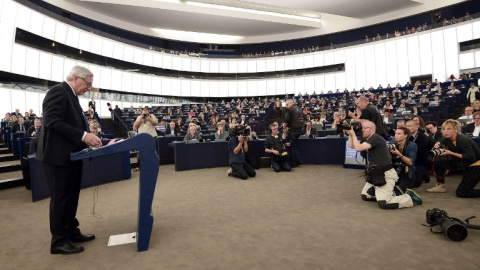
column 293, row 118
column 370, row 113
column 465, row 146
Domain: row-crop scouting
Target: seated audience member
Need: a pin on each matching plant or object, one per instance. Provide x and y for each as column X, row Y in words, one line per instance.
column 237, row 147
column 420, row 122
column 275, row 146
column 403, row 159
column 16, row 113
column 192, row 134
column 474, row 128
column 464, row 152
column 476, row 107
column 20, row 125
column 201, row 119
column 410, row 101
column 388, row 105
column 316, row 120
column 161, row 127
column 453, row 91
column 221, row 133
column 172, row 129
column 472, row 92
column 415, row 110
column 7, row 118
column 35, row 129
column 468, row 113
column 387, row 117
column 424, row 100
column 308, row 130
column 337, row 125
column 243, row 120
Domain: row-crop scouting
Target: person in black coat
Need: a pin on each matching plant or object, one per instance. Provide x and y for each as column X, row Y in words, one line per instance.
column 65, row 131
column 172, row 129
column 464, row 153
column 421, row 162
column 20, row 125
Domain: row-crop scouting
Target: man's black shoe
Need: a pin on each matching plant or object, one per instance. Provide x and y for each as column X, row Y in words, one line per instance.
column 82, row 238
column 66, row 249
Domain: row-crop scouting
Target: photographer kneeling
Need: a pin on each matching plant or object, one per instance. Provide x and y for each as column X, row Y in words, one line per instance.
column 404, row 154
column 379, row 174
column 275, row 145
column 464, row 153
column 237, row 147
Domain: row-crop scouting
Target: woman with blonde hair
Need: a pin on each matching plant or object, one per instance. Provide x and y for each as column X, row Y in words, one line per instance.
column 464, row 153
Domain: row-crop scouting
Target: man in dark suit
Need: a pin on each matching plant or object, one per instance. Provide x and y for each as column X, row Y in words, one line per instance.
column 308, row 130
column 20, row 125
column 64, row 131
column 474, row 128
column 35, row 129
column 421, row 162
column 172, row 129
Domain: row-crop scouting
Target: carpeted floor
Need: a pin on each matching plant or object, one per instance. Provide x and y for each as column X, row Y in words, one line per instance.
column 312, row 218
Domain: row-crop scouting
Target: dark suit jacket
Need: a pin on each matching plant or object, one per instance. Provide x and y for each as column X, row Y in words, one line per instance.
column 16, row 127
column 63, row 126
column 422, row 145
column 470, row 128
column 313, row 132
column 168, row 131
column 30, row 130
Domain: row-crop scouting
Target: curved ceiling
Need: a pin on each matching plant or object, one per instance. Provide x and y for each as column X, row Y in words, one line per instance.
column 237, row 22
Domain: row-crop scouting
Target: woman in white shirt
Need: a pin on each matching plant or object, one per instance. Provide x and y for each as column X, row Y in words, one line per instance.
column 471, row 94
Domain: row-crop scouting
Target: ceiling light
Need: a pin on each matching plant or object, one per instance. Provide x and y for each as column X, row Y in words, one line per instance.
column 187, row 35
column 254, row 11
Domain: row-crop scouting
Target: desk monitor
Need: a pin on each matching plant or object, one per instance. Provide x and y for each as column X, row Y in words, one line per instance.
column 353, row 159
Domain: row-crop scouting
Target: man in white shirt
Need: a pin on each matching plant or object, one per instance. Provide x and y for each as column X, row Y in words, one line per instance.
column 474, row 127
column 468, row 113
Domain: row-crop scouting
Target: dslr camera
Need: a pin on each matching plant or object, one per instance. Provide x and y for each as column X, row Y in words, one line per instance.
column 240, row 130
column 351, row 108
column 435, row 152
column 453, row 228
column 146, row 115
column 357, row 126
column 392, row 146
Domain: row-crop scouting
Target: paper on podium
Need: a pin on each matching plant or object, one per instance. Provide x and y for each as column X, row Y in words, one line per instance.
column 120, row 239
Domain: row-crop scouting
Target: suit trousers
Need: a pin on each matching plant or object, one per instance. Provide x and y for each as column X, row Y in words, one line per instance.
column 64, row 184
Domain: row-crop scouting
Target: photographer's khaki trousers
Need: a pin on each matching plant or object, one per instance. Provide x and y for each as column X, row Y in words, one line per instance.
column 385, row 192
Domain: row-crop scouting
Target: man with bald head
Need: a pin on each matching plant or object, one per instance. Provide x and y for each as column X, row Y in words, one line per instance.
column 380, row 175
column 369, row 113
column 294, row 123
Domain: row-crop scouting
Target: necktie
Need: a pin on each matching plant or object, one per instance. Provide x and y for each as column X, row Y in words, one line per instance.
column 21, row 127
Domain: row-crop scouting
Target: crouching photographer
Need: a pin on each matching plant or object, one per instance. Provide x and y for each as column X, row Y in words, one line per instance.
column 380, row 174
column 275, row 146
column 464, row 153
column 237, row 147
column 404, row 154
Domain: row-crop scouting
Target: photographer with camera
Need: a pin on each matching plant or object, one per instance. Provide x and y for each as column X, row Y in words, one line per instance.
column 379, row 173
column 368, row 113
column 293, row 120
column 465, row 154
column 237, row 147
column 404, row 154
column 275, row 146
column 146, row 123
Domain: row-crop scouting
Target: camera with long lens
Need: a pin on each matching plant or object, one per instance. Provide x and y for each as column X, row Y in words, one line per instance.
column 453, row 228
column 435, row 152
column 392, row 146
column 356, row 126
column 239, row 130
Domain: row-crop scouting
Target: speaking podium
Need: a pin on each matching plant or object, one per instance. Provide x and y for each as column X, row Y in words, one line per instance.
column 148, row 178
